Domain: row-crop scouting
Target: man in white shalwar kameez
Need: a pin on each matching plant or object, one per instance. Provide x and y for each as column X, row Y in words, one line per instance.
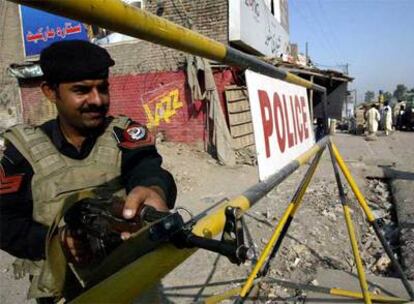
column 387, row 119
column 373, row 117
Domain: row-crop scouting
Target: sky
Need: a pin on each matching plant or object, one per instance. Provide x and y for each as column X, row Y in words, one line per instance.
column 374, row 37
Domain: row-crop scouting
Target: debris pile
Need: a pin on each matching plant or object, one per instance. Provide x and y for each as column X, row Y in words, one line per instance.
column 379, row 200
column 318, row 236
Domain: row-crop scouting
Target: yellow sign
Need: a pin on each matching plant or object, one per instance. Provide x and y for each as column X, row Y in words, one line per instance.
column 164, row 109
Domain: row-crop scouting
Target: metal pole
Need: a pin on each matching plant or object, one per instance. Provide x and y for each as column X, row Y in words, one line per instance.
column 356, row 98
column 306, row 53
column 372, row 220
column 311, row 99
column 124, row 285
column 117, row 16
column 319, row 289
column 351, row 231
column 346, row 106
column 325, row 112
column 280, row 231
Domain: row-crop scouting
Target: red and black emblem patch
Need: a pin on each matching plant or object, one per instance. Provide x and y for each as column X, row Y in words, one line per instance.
column 136, row 136
column 9, row 184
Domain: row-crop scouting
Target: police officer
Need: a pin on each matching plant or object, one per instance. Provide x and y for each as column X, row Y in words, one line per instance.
column 46, row 166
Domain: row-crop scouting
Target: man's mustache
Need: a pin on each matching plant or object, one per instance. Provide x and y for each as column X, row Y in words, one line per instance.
column 94, row 109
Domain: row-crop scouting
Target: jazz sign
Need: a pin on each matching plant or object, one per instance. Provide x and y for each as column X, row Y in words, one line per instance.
column 281, row 122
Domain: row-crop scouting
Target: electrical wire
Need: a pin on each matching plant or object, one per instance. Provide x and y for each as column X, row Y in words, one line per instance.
column 329, row 27
column 322, row 28
column 312, row 28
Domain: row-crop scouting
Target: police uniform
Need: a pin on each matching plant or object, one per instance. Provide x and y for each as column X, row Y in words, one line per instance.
column 41, row 171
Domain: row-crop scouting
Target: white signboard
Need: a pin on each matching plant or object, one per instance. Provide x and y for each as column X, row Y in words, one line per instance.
column 281, row 122
column 253, row 27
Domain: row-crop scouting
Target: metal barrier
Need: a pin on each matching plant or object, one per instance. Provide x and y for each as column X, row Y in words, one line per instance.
column 125, row 285
column 154, row 266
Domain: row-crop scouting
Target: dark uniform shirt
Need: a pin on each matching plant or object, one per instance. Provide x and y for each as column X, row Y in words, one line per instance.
column 25, row 238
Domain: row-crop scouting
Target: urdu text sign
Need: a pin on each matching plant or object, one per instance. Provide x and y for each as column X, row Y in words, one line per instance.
column 281, row 121
column 40, row 29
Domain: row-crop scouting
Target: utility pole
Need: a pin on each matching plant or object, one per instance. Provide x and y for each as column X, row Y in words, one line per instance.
column 355, row 100
column 306, row 53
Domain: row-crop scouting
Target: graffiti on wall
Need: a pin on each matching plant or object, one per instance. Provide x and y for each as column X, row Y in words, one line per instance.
column 162, row 108
column 254, row 5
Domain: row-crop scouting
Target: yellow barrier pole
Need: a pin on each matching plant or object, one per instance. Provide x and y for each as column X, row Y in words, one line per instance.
column 265, row 252
column 320, row 289
column 372, row 220
column 120, row 17
column 297, row 200
column 275, row 241
column 126, row 284
column 357, row 257
column 370, row 216
column 351, row 231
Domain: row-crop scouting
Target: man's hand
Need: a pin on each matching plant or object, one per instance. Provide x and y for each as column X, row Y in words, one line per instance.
column 75, row 246
column 139, row 196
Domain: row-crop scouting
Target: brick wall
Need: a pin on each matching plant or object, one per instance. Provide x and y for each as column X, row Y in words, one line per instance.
column 161, row 101
column 11, row 44
column 148, row 82
column 36, row 107
column 209, row 18
column 11, row 51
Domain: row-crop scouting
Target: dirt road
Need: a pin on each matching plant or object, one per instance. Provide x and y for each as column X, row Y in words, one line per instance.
column 317, row 237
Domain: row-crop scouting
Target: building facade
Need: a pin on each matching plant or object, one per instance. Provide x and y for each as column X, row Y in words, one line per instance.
column 151, row 83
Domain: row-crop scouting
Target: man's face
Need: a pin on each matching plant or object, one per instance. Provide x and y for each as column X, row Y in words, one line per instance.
column 83, row 105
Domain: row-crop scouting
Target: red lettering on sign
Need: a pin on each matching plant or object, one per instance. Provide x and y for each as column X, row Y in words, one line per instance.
column 279, row 122
column 285, row 110
column 304, row 116
column 299, row 114
column 295, row 120
column 276, row 116
column 267, row 119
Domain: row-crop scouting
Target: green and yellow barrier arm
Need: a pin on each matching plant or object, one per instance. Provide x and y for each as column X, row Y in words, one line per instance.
column 129, row 20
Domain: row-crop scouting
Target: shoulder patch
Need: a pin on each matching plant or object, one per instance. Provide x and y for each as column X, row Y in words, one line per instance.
column 9, row 184
column 136, row 136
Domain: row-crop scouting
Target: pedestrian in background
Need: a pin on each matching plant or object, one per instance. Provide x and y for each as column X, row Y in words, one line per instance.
column 387, row 118
column 373, row 117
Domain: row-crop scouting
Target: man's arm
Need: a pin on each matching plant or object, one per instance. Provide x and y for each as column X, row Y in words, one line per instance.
column 19, row 234
column 145, row 180
column 142, row 167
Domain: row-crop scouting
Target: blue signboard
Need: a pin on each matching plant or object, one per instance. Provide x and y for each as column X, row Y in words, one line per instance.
column 41, row 29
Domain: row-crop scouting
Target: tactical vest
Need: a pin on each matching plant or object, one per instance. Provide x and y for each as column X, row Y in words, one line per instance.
column 59, row 181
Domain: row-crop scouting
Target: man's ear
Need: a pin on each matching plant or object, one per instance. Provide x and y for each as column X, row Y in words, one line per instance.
column 49, row 91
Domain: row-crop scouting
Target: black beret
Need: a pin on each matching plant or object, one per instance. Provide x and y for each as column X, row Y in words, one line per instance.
column 74, row 60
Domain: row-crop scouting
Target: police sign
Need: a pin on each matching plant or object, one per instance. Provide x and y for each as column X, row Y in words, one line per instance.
column 281, row 121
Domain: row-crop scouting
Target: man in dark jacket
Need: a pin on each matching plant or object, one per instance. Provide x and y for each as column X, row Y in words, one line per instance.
column 81, row 150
